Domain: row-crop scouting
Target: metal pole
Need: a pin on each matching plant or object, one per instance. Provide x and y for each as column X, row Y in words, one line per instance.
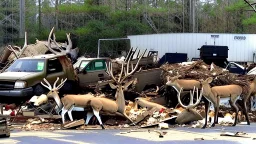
column 22, row 18
column 98, row 48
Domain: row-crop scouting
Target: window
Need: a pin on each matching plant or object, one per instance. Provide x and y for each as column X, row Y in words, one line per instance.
column 99, row 65
column 90, row 67
column 83, row 64
column 54, row 66
column 27, row 65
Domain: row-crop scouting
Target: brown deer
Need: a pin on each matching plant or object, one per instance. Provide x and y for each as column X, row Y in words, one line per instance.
column 103, row 104
column 185, row 84
column 213, row 94
column 252, row 92
column 182, row 83
column 68, row 102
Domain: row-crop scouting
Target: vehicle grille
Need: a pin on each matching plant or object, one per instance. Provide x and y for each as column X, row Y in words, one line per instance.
column 4, row 85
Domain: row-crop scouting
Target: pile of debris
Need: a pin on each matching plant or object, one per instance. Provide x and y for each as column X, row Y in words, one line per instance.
column 37, row 124
column 198, row 70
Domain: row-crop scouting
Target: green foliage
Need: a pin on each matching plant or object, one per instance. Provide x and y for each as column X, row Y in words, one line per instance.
column 250, row 21
column 239, row 5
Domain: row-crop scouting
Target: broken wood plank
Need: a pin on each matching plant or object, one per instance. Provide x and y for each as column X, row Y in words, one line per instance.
column 74, row 124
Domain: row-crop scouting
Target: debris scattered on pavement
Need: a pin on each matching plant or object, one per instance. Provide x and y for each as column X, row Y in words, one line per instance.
column 236, row 134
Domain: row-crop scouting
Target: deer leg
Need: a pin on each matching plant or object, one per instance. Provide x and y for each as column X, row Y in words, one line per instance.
column 70, row 114
column 216, row 110
column 218, row 107
column 232, row 102
column 63, row 112
column 207, row 105
column 97, row 114
column 245, row 111
column 88, row 117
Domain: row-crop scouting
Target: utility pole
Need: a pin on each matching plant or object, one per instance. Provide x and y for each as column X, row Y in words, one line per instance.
column 39, row 16
column 22, row 18
column 192, row 15
column 56, row 14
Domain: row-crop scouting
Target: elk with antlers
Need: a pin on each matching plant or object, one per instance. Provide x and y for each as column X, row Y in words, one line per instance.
column 213, row 94
column 103, row 104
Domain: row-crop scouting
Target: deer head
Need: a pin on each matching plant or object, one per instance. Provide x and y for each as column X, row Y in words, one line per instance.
column 54, row 91
column 173, row 81
column 18, row 51
column 206, row 85
column 191, row 104
column 124, row 74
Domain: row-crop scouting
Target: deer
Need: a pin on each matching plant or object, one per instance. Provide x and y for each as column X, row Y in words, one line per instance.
column 213, row 95
column 68, row 102
column 149, row 105
column 185, row 84
column 104, row 104
column 252, row 92
column 182, row 83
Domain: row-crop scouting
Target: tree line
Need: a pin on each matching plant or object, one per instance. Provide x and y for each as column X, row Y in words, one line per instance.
column 90, row 20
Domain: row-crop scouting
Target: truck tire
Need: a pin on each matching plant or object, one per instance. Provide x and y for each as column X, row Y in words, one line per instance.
column 39, row 90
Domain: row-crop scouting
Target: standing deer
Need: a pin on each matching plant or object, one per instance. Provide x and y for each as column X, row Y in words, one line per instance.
column 118, row 105
column 252, row 92
column 68, row 102
column 215, row 93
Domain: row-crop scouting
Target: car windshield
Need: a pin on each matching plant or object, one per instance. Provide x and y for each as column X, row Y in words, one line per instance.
column 27, row 65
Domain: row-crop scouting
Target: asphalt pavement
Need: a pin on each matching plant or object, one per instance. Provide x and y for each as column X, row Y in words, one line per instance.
column 178, row 135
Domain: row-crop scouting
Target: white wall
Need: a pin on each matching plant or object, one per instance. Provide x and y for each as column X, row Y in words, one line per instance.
column 239, row 50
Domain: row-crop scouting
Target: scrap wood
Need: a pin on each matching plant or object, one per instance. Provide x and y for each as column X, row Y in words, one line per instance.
column 236, row 134
column 74, row 124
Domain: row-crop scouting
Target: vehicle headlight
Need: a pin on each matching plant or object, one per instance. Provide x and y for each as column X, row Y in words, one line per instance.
column 20, row 84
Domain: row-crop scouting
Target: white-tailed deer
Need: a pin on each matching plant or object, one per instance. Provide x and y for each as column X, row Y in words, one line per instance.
column 68, row 102
column 213, row 94
column 104, row 104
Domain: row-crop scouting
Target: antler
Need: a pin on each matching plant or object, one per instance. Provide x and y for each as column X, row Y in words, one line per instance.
column 17, row 51
column 191, row 104
column 60, row 85
column 48, row 86
column 127, row 73
column 69, row 46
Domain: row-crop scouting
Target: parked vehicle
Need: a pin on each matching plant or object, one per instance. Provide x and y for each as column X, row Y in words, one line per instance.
column 92, row 70
column 22, row 79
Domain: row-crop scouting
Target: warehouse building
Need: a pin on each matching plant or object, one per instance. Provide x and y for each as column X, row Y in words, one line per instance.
column 242, row 47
